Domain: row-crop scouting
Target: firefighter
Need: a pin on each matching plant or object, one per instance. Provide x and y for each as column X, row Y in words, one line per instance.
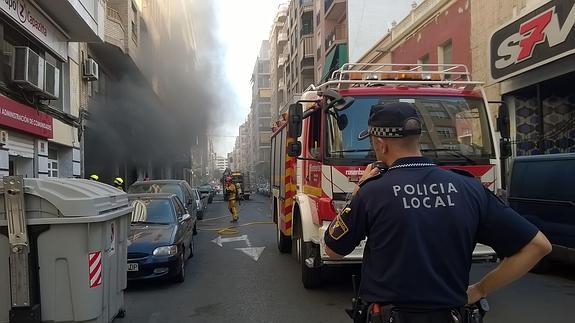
column 94, row 177
column 119, row 183
column 232, row 194
column 422, row 223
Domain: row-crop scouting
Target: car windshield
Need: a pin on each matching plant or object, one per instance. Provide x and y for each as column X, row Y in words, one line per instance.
column 153, row 211
column 157, row 188
column 455, row 129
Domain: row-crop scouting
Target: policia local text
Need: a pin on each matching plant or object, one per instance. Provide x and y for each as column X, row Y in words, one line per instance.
column 425, row 195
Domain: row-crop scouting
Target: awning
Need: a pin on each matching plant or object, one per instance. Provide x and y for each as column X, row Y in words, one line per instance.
column 327, row 65
column 334, row 60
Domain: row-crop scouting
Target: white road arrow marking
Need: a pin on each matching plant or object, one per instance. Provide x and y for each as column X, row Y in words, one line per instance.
column 253, row 253
column 220, row 241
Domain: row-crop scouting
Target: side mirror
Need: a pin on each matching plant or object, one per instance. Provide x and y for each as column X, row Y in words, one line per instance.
column 333, row 95
column 295, row 120
column 185, row 217
column 503, row 121
column 344, row 103
column 294, row 149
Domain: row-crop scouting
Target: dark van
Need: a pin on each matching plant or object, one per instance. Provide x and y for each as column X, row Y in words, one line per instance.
column 542, row 189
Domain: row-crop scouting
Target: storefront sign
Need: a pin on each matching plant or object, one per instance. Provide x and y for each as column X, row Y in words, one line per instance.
column 539, row 37
column 21, row 117
column 28, row 17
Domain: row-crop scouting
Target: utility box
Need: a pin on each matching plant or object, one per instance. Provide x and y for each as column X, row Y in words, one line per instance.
column 63, row 250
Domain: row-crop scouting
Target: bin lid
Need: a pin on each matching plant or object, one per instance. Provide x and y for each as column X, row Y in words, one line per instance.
column 74, row 197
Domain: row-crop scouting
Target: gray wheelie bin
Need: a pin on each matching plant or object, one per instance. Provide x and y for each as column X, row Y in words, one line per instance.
column 63, row 248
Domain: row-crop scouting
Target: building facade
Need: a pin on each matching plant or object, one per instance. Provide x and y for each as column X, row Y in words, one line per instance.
column 40, row 79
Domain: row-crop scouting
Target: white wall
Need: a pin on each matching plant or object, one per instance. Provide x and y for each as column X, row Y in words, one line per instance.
column 369, row 20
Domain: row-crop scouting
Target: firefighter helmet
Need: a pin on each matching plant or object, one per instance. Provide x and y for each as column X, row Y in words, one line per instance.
column 94, row 177
column 118, row 181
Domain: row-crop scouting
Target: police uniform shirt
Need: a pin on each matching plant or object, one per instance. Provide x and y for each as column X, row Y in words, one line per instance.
column 422, row 223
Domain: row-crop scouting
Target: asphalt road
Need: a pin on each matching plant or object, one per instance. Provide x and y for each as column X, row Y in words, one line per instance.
column 224, row 284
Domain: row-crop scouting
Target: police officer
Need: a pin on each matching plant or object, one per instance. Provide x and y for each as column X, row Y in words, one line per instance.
column 422, row 223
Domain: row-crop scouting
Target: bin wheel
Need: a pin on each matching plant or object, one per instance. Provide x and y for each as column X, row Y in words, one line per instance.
column 121, row 314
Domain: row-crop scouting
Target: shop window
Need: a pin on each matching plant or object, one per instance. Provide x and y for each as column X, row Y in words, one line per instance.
column 52, row 163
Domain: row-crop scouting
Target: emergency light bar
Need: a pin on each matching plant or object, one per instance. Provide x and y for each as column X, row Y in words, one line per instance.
column 369, row 74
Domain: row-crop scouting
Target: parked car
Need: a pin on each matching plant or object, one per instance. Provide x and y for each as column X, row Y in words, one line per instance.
column 161, row 237
column 179, row 187
column 207, row 190
column 539, row 191
column 201, row 203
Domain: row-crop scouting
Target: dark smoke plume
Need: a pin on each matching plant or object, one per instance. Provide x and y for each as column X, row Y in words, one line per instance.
column 130, row 123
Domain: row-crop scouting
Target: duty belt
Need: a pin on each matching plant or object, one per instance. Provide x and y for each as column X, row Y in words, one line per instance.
column 406, row 314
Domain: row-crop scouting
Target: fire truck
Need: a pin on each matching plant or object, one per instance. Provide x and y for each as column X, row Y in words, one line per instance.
column 317, row 158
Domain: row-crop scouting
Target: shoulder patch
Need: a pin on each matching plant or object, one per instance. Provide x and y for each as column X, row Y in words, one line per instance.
column 462, row 172
column 338, row 228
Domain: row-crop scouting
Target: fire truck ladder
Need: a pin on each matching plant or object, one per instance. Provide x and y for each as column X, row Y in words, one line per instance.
column 369, row 74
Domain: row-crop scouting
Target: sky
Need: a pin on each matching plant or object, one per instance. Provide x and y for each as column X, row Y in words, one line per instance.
column 241, row 39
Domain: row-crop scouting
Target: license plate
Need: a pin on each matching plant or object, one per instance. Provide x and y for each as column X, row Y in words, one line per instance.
column 132, row 267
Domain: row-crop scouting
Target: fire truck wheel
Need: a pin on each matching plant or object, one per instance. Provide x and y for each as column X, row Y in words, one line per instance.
column 284, row 242
column 310, row 277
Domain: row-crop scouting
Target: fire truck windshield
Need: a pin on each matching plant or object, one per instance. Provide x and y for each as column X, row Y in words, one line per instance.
column 455, row 130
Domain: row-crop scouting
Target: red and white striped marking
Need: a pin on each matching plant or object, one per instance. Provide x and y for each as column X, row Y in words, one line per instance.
column 95, row 264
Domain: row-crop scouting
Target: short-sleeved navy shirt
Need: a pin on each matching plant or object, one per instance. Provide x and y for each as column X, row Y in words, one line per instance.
column 422, row 223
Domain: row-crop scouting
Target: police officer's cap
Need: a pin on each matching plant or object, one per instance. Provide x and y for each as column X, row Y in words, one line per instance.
column 390, row 120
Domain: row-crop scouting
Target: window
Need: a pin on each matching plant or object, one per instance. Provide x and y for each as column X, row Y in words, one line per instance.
column 424, row 60
column 264, row 67
column 180, row 209
column 445, row 54
column 52, row 163
column 439, row 114
column 446, row 132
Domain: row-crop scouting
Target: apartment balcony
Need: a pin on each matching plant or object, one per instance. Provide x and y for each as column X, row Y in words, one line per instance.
column 305, row 6
column 306, row 52
column 115, row 33
column 337, row 36
column 78, row 18
column 282, row 59
column 282, row 37
column 334, row 9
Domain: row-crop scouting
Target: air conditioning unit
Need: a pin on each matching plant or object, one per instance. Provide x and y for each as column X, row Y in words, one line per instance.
column 90, row 70
column 3, row 137
column 51, row 82
column 28, row 69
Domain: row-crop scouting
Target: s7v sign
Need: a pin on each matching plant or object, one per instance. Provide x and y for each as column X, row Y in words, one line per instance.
column 539, row 37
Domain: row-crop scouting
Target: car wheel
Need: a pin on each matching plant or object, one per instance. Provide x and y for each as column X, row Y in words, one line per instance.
column 210, row 200
column 181, row 276
column 195, row 230
column 200, row 215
